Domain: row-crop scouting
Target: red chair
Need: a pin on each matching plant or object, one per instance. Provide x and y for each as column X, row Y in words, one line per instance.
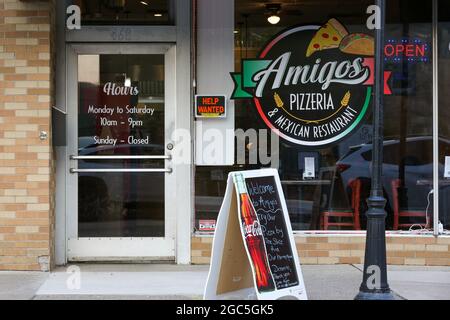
column 398, row 213
column 355, row 186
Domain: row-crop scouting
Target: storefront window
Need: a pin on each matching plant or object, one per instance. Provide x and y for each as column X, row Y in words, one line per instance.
column 336, row 198
column 124, row 12
column 444, row 113
column 408, row 165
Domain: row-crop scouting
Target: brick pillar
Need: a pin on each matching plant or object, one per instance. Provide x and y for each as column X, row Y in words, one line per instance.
column 26, row 165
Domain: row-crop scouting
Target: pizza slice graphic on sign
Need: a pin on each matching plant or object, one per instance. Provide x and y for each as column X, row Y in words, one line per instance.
column 329, row 36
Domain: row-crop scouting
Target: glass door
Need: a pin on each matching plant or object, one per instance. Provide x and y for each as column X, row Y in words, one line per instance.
column 121, row 115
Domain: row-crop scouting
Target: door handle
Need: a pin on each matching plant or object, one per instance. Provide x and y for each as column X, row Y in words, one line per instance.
column 169, row 170
column 168, row 157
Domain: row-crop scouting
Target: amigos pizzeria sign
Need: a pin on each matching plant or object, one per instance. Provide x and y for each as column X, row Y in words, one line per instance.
column 312, row 85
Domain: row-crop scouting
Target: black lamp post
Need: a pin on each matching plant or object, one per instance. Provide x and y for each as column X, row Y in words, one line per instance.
column 374, row 285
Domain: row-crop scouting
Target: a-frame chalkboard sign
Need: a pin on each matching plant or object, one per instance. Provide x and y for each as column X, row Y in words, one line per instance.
column 254, row 254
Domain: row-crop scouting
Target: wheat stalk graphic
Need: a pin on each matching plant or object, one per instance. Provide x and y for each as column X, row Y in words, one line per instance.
column 346, row 100
column 278, row 101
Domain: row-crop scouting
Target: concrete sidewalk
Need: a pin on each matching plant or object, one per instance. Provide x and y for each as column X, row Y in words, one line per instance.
column 124, row 282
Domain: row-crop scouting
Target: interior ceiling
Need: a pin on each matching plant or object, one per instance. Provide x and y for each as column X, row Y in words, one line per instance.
column 292, row 11
column 301, row 11
column 122, row 6
column 319, row 11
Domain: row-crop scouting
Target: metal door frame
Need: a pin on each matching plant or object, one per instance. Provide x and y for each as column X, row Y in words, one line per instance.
column 117, row 249
column 178, row 33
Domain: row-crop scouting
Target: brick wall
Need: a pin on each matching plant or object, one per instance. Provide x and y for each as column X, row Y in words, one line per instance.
column 344, row 249
column 26, row 174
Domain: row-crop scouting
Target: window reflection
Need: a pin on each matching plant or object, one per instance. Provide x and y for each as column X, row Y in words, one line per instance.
column 120, row 205
column 113, row 122
column 121, row 113
column 339, row 192
column 124, row 12
column 444, row 111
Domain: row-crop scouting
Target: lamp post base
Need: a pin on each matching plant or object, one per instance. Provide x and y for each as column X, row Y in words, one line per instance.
column 389, row 295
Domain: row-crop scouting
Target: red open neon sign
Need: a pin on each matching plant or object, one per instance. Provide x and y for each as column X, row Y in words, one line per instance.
column 411, row 50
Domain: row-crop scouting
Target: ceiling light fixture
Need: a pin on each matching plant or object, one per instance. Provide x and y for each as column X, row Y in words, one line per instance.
column 144, row 3
column 274, row 19
column 127, row 83
column 273, row 10
column 158, row 15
